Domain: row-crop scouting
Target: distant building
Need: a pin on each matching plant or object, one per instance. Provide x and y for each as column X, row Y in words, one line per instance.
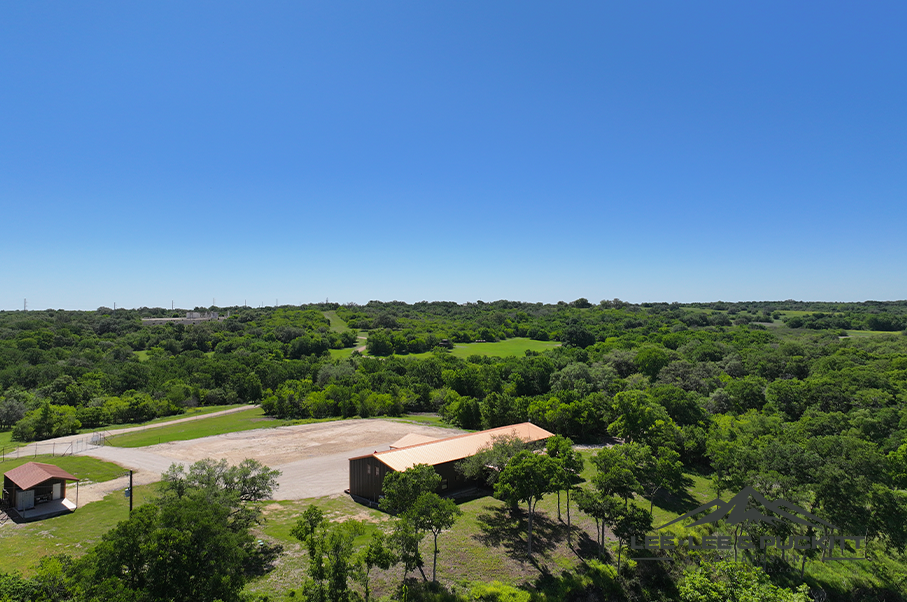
column 367, row 472
column 192, row 317
column 35, row 490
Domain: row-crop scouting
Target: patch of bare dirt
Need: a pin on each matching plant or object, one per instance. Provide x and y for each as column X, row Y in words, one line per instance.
column 283, row 445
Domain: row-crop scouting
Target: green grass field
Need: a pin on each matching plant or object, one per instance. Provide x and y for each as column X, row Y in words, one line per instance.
column 86, row 468
column 189, row 413
column 515, row 346
column 339, row 354
column 194, row 429
column 337, row 324
column 6, row 441
column 508, row 347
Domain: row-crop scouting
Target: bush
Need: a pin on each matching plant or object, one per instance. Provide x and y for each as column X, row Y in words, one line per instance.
column 498, row 592
column 46, row 422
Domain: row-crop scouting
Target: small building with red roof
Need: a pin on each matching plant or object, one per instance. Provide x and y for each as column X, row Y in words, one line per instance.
column 37, row 490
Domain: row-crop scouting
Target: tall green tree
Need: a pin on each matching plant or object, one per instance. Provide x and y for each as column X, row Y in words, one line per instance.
column 376, row 554
column 330, row 555
column 571, row 465
column 526, row 478
column 434, row 514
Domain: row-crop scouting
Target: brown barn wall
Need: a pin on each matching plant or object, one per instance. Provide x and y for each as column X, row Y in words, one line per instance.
column 367, row 476
column 41, row 490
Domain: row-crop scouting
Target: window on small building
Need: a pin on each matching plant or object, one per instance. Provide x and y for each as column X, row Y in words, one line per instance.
column 368, row 469
column 443, row 484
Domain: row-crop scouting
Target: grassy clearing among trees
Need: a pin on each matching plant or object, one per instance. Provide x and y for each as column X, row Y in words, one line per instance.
column 195, row 429
column 337, row 323
column 507, row 348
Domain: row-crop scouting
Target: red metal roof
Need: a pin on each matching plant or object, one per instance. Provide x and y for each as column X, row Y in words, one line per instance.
column 456, row 448
column 35, row 473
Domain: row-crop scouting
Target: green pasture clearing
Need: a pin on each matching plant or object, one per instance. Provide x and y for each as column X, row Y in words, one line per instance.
column 21, row 546
column 142, row 355
column 337, row 324
column 195, row 429
column 361, row 339
column 508, row 347
column 189, row 413
column 7, row 443
column 505, row 348
column 341, row 353
column 86, row 468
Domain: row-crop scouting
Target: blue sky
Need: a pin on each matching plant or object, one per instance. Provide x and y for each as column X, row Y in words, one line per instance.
column 281, row 151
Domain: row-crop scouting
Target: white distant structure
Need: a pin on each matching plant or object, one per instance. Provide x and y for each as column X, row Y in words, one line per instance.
column 192, row 317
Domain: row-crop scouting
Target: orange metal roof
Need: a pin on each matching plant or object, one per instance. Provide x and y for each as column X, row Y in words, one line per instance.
column 411, row 439
column 35, row 473
column 456, row 448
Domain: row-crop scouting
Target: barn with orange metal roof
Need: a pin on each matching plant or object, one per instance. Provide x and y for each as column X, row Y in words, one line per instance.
column 367, row 472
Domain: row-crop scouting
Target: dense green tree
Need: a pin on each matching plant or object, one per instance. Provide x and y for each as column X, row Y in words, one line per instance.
column 433, row 514
column 726, row 581
column 615, row 474
column 488, row 463
column 402, row 489
column 330, row 558
column 526, row 478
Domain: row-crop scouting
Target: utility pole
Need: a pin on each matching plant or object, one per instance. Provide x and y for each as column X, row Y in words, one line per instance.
column 130, row 492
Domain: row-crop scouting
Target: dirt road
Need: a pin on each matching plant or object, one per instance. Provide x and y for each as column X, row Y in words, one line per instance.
column 312, row 457
column 78, row 443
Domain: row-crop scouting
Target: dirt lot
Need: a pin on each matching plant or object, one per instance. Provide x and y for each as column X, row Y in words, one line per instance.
column 313, row 457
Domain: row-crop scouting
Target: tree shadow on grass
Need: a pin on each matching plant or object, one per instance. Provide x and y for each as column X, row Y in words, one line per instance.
column 677, row 502
column 587, row 548
column 507, row 528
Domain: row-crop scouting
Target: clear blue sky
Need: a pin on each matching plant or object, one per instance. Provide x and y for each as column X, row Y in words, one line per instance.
column 537, row 151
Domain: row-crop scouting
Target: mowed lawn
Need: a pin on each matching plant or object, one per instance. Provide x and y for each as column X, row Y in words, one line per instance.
column 195, row 429
column 87, row 469
column 506, row 348
column 6, row 441
column 337, row 323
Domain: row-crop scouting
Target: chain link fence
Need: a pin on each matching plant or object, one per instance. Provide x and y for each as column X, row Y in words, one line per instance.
column 54, row 448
